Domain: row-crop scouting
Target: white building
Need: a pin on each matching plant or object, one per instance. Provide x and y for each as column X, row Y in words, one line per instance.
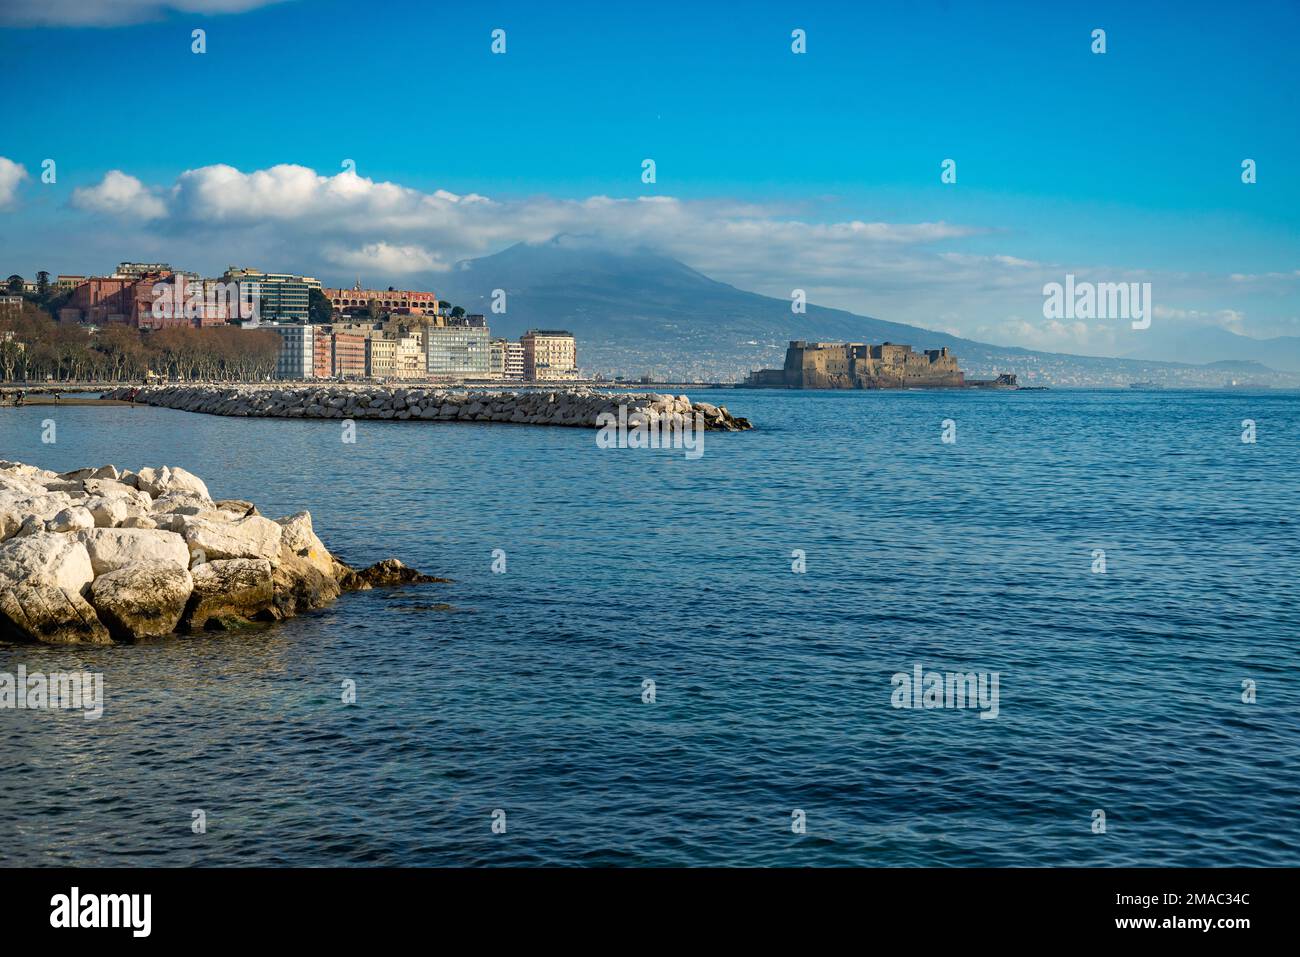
column 507, row 359
column 295, row 358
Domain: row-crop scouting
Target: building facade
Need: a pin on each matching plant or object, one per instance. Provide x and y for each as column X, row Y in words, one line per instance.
column 381, row 357
column 349, row 355
column 458, row 351
column 280, row 297
column 401, row 301
column 296, row 358
column 549, row 354
column 409, row 358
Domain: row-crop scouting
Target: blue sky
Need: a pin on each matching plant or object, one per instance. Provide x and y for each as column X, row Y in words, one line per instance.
column 1122, row 165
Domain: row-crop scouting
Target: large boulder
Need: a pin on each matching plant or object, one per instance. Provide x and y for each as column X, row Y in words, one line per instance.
column 109, row 512
column 72, row 519
column 251, row 537
column 114, row 548
column 386, row 573
column 104, row 488
column 160, row 481
column 17, row 506
column 34, row 611
column 181, row 502
column 46, row 558
column 144, row 600
column 298, row 539
column 299, row 586
column 229, row 592
column 103, row 472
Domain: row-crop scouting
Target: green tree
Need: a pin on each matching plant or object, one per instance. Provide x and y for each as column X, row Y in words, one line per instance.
column 457, row 312
column 14, row 283
column 319, row 308
column 42, row 285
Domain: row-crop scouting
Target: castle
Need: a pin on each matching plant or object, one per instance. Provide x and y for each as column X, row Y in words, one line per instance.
column 854, row 365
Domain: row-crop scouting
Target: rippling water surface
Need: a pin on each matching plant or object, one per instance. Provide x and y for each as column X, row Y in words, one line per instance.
column 1118, row 691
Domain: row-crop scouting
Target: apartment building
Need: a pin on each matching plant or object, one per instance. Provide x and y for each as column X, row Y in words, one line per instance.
column 281, row 297
column 349, row 355
column 381, row 357
column 549, row 354
column 458, row 351
column 507, row 359
column 409, row 358
column 296, row 358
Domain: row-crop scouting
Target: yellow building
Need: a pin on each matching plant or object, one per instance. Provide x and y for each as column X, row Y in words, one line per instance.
column 408, row 357
column 381, row 356
column 549, row 354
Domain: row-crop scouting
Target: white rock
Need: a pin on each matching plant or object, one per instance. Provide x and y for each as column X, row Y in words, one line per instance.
column 300, row 539
column 142, row 601
column 160, row 481
column 49, row 614
column 182, row 502
column 251, row 537
column 71, row 520
column 114, row 548
column 47, row 558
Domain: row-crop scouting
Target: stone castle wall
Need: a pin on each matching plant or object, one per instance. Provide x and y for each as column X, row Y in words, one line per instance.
column 853, row 365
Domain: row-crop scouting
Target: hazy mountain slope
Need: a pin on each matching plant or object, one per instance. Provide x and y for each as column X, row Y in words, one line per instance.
column 1204, row 344
column 637, row 311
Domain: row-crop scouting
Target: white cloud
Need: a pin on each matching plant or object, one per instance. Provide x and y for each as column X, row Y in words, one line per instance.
column 1054, row 335
column 1266, row 276
column 11, row 174
column 112, row 13
column 292, row 217
column 1230, row 319
column 399, row 230
column 118, row 194
column 388, row 260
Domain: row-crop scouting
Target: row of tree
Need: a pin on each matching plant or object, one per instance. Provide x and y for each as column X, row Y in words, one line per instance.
column 35, row 348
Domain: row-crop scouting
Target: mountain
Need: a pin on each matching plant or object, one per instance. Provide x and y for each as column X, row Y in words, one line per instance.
column 635, row 311
column 1212, row 344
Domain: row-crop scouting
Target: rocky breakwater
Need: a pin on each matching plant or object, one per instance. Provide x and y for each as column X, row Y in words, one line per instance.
column 578, row 408
column 98, row 556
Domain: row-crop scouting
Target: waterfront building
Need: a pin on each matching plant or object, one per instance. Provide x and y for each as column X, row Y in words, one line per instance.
column 549, row 354
column 514, row 360
column 408, row 357
column 281, row 297
column 322, row 366
column 349, row 352
column 381, row 357
column 458, row 351
column 296, row 358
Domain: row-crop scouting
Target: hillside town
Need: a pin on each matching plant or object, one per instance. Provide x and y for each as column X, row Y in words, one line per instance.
column 152, row 321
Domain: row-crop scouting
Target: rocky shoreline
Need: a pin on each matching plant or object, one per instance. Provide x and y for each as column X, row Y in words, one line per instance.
column 100, row 556
column 576, row 408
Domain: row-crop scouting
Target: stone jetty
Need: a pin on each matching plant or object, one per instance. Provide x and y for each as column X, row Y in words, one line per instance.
column 98, row 556
column 577, row 408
